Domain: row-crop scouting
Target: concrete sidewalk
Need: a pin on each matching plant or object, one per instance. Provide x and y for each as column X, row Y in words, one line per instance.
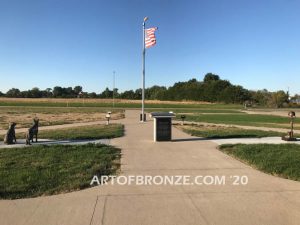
column 264, row 200
column 263, row 140
column 22, row 142
column 280, row 130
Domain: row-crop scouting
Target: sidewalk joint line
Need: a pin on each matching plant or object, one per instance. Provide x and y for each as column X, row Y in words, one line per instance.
column 104, row 209
column 94, row 210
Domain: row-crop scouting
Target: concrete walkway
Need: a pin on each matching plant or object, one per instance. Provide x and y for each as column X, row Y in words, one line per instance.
column 21, row 143
column 264, row 200
column 264, row 140
column 281, row 130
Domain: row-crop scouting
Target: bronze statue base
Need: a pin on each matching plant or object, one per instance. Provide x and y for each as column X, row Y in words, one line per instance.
column 287, row 138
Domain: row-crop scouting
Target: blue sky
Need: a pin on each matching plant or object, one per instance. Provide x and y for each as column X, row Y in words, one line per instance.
column 45, row 43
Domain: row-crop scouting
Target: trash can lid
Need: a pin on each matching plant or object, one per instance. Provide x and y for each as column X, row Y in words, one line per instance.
column 162, row 115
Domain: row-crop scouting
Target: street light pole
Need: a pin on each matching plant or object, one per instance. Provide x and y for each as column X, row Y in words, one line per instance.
column 143, row 74
column 114, row 74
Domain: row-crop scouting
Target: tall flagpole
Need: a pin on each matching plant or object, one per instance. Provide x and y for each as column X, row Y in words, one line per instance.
column 143, row 76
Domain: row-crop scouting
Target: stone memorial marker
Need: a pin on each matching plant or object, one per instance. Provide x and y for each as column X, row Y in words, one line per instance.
column 162, row 126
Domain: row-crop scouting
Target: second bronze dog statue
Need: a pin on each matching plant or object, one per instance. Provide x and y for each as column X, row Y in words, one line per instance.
column 32, row 131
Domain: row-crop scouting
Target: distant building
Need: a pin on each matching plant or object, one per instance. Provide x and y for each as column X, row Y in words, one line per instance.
column 295, row 100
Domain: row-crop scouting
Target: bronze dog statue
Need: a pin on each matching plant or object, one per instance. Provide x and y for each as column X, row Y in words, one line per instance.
column 32, row 131
column 10, row 137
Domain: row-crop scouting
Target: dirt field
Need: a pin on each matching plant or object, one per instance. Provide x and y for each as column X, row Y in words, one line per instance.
column 95, row 100
column 277, row 112
column 23, row 116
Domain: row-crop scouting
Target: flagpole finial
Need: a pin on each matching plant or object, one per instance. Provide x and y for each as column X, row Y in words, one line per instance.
column 145, row 19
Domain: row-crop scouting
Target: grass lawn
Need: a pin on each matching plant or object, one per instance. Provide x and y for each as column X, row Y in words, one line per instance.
column 87, row 132
column 47, row 170
column 199, row 110
column 279, row 160
column 225, row 132
column 241, row 119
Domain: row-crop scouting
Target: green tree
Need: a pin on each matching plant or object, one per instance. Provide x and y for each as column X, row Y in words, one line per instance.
column 57, row 91
column 36, row 93
column 14, row 93
column 77, row 89
column 261, row 97
column 279, row 98
column 154, row 92
column 48, row 92
column 92, row 95
column 128, row 95
column 211, row 77
column 107, row 93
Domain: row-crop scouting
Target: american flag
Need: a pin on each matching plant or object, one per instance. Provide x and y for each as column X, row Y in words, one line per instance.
column 150, row 39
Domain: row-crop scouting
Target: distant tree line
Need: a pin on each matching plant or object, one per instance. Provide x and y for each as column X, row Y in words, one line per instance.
column 211, row 89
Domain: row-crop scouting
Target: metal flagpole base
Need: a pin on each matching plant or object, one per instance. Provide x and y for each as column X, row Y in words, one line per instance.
column 141, row 117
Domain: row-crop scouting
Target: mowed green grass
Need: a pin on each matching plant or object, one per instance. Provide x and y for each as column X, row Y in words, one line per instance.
column 241, row 119
column 226, row 132
column 47, row 170
column 280, row 160
column 184, row 111
column 87, row 132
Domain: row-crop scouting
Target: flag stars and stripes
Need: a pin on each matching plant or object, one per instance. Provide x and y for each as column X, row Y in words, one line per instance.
column 150, row 39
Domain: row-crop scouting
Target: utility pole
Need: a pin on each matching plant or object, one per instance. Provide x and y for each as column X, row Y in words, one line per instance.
column 114, row 75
